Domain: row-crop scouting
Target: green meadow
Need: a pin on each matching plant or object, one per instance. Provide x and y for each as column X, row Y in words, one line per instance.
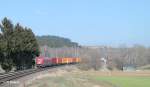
column 125, row 81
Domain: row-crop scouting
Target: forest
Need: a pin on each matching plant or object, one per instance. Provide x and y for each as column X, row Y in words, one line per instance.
column 55, row 41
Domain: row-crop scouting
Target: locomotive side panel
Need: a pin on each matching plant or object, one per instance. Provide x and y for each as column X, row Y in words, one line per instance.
column 39, row 61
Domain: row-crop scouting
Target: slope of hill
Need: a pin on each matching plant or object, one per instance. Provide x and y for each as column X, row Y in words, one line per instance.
column 55, row 41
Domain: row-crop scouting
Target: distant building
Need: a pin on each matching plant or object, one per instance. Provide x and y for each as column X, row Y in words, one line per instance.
column 104, row 61
column 129, row 67
column 104, row 64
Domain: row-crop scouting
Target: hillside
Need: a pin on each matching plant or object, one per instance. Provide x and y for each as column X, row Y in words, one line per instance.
column 55, row 41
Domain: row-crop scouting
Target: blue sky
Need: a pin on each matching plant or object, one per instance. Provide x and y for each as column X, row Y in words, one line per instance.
column 88, row 22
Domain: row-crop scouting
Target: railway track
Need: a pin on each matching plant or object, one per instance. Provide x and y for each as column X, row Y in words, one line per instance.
column 15, row 75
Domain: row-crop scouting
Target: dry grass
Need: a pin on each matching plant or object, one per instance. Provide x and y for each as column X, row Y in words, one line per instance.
column 78, row 78
column 66, row 79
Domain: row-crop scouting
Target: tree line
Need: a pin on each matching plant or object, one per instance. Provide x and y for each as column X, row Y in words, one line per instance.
column 18, row 46
column 117, row 57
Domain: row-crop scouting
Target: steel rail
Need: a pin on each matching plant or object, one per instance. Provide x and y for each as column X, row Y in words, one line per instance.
column 15, row 75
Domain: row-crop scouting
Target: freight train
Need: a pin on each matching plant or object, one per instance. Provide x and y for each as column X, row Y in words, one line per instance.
column 42, row 61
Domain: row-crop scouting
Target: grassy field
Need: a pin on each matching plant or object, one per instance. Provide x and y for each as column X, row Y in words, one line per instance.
column 122, row 81
column 94, row 79
column 68, row 79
